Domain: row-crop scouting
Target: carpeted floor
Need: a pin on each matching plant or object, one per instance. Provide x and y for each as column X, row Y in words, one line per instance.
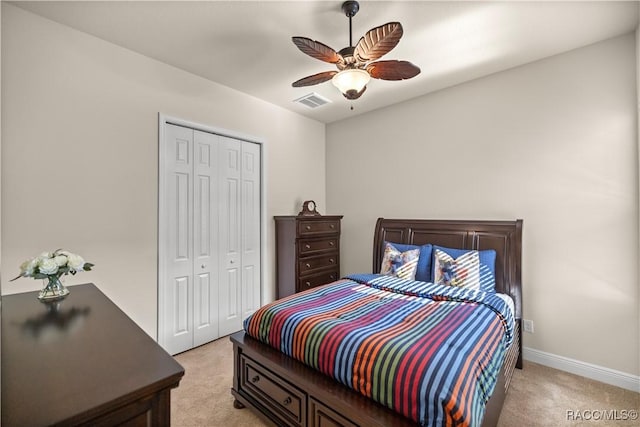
column 538, row 396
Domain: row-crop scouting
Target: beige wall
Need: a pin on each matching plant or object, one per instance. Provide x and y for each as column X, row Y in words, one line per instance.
column 638, row 112
column 79, row 163
column 552, row 142
column 0, row 177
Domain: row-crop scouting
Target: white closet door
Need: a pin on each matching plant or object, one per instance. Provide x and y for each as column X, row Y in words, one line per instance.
column 250, row 211
column 178, row 256
column 209, row 271
column 230, row 241
column 205, row 234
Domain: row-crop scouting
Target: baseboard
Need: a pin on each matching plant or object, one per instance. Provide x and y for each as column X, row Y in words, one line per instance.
column 594, row 372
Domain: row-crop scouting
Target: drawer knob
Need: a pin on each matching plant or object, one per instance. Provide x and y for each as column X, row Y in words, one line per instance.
column 332, row 243
column 332, row 226
column 332, row 261
column 332, row 277
column 308, row 227
column 308, row 284
column 287, row 401
column 307, row 265
column 255, row 379
column 307, row 246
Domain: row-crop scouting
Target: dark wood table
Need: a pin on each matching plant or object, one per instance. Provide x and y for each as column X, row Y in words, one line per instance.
column 81, row 361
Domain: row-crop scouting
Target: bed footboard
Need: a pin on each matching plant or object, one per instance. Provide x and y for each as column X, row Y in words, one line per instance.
column 284, row 392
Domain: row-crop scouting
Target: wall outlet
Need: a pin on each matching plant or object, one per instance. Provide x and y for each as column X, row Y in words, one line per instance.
column 528, row 325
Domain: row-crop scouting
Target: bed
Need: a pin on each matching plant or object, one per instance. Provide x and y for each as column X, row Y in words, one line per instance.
column 284, row 391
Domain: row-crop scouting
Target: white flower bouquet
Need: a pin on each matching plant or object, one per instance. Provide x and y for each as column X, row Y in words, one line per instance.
column 51, row 266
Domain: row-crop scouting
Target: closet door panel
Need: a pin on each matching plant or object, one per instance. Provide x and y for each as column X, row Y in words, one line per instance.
column 230, row 242
column 205, row 324
column 205, row 203
column 250, row 214
column 178, row 246
column 180, row 297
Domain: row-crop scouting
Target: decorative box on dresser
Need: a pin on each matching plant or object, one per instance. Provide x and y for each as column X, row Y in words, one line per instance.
column 307, row 252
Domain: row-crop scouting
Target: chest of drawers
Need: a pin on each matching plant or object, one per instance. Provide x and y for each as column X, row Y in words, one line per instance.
column 307, row 252
column 81, row 362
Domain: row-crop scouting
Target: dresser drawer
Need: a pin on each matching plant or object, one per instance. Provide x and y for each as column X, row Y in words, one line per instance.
column 314, row 246
column 313, row 228
column 310, row 265
column 280, row 397
column 318, row 279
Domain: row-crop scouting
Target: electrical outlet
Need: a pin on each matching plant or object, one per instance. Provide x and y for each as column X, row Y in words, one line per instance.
column 528, row 325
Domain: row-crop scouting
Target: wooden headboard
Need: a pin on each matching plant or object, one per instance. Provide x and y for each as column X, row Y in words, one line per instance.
column 505, row 237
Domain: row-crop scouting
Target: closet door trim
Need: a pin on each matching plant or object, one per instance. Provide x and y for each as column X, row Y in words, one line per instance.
column 163, row 121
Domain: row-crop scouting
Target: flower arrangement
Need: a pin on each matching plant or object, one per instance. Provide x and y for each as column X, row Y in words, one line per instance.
column 56, row 263
column 51, row 266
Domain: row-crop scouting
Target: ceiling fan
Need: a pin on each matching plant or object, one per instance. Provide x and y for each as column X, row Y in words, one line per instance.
column 357, row 64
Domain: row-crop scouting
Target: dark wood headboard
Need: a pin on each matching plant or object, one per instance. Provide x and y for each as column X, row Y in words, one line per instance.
column 505, row 237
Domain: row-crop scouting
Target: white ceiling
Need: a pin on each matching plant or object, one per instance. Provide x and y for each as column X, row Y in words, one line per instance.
column 246, row 45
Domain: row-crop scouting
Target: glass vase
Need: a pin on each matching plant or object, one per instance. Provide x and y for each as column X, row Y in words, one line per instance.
column 53, row 290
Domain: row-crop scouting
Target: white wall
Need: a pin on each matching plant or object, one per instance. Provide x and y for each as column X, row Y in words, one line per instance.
column 552, row 142
column 80, row 153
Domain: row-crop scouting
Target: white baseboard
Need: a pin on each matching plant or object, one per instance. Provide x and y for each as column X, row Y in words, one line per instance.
column 584, row 369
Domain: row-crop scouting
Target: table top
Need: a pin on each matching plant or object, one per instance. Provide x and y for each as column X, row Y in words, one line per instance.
column 76, row 358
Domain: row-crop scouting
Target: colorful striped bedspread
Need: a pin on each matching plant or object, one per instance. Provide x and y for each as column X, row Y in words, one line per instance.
column 429, row 352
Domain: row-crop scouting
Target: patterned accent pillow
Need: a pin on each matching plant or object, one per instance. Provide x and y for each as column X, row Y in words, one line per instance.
column 487, row 265
column 463, row 271
column 399, row 264
column 423, row 272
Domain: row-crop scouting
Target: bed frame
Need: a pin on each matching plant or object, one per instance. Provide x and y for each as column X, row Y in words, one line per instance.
column 285, row 392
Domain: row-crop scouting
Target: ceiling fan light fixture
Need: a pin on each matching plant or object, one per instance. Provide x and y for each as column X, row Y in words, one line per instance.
column 351, row 82
column 357, row 64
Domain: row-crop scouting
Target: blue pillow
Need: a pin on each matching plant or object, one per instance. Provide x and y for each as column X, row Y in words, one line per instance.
column 423, row 273
column 487, row 265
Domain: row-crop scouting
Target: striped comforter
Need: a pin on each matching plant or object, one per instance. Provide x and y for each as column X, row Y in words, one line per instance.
column 429, row 352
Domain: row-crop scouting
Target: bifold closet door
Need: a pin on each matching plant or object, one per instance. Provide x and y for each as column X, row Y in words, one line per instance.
column 177, row 310
column 239, row 242
column 205, row 237
column 251, row 231
column 229, row 242
column 210, row 236
column 191, row 260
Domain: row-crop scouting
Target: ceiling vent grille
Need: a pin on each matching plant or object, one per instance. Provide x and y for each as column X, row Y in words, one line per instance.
column 312, row 100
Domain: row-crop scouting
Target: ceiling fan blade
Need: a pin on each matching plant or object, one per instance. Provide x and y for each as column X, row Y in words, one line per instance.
column 315, row 79
column 317, row 50
column 378, row 41
column 392, row 70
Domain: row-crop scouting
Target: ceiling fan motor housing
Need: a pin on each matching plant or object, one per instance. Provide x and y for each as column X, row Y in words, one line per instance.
column 347, row 55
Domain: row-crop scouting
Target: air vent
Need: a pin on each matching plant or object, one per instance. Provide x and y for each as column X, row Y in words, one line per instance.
column 312, row 100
